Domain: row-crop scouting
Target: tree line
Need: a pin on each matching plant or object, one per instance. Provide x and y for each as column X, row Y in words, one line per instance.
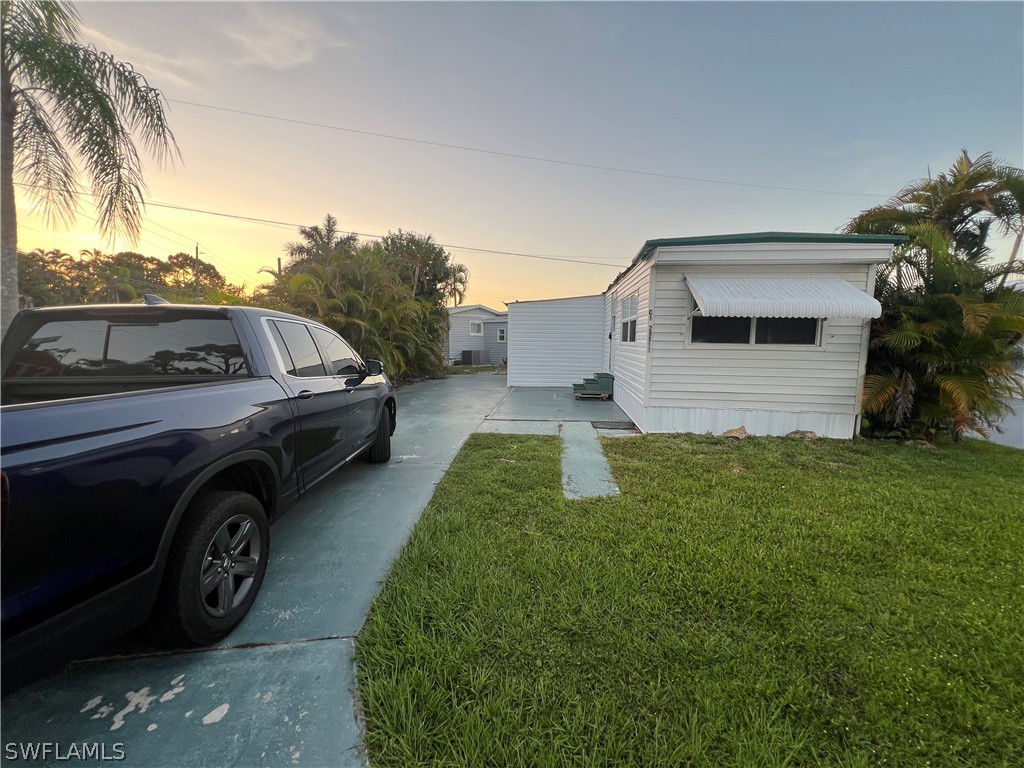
column 386, row 297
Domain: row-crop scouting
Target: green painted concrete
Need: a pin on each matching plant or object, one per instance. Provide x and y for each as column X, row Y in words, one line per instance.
column 272, row 706
column 328, row 557
column 585, row 470
column 554, row 404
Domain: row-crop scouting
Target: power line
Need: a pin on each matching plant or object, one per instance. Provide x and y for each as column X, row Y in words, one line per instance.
column 291, row 225
column 452, row 246
column 534, row 158
column 208, row 251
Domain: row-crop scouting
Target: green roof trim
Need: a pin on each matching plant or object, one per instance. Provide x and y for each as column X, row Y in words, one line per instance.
column 769, row 237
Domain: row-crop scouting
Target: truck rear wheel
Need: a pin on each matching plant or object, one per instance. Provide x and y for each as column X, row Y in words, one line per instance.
column 214, row 571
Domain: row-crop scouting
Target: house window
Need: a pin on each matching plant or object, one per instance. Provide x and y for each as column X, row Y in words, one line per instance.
column 630, row 308
column 753, row 330
column 476, row 328
column 501, row 334
column 720, row 330
column 786, row 330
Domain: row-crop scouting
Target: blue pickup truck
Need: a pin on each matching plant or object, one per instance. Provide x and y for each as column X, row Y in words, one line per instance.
column 145, row 451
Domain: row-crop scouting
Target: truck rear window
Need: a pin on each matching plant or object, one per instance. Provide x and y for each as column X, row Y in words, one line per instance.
column 100, row 347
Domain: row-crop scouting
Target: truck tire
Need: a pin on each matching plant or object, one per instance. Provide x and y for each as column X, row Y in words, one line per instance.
column 214, row 570
column 380, row 450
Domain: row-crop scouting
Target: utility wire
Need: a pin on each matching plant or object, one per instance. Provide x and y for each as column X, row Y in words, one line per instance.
column 616, row 263
column 381, row 237
column 206, row 249
column 533, row 158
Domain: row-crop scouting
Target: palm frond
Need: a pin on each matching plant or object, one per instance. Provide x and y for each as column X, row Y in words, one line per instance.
column 42, row 163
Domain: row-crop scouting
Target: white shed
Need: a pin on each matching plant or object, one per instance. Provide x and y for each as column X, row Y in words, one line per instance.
column 467, row 330
column 766, row 330
column 554, row 342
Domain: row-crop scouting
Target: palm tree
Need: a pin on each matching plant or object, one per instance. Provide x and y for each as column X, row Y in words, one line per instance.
column 320, row 244
column 63, row 101
column 945, row 354
column 963, row 203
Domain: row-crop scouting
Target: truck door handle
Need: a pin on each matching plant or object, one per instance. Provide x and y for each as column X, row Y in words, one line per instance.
column 306, row 394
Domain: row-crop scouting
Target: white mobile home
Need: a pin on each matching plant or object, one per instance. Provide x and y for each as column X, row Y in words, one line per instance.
column 703, row 334
column 1011, row 426
column 496, row 339
column 471, row 328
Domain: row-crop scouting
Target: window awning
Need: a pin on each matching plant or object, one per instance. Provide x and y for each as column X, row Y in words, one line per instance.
column 735, row 296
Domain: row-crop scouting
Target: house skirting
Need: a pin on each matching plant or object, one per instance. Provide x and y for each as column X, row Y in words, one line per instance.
column 718, row 420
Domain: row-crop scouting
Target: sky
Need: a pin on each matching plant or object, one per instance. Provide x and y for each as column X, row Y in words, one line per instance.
column 754, row 103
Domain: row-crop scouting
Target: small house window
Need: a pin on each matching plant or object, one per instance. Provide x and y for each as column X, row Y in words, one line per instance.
column 501, row 334
column 476, row 328
column 786, row 330
column 630, row 309
column 720, row 330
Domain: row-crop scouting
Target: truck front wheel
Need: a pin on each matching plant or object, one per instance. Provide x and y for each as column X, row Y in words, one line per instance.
column 214, row 570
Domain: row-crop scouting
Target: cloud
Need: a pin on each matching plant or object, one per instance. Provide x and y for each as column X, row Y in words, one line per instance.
column 181, row 71
column 271, row 37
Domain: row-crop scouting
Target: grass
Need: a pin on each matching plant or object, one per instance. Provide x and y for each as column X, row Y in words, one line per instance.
column 770, row 602
column 463, row 370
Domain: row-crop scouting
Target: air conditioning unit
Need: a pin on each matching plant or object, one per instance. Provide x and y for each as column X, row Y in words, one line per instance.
column 475, row 357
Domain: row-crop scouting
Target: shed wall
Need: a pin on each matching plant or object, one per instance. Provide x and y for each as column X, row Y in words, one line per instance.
column 554, row 343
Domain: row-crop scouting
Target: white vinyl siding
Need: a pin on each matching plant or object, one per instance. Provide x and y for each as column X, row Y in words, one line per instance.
column 496, row 348
column 459, row 337
column 554, row 343
column 629, row 359
column 792, row 379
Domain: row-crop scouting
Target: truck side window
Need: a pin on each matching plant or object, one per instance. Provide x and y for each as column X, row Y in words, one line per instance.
column 186, row 346
column 301, row 357
column 343, row 360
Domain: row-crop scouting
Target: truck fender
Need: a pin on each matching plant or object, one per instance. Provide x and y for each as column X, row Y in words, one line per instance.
column 185, row 500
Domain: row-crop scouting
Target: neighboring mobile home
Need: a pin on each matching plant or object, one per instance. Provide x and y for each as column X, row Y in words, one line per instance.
column 477, row 329
column 703, row 334
column 1012, row 424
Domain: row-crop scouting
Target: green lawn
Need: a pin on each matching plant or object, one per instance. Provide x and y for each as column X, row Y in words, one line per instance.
column 463, row 370
column 766, row 602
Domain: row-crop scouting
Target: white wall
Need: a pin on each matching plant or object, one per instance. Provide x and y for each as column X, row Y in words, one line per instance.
column 458, row 331
column 556, row 342
column 1012, row 425
column 821, row 382
column 498, row 350
column 629, row 358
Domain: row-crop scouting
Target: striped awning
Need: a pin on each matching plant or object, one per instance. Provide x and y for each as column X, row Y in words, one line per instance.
column 733, row 296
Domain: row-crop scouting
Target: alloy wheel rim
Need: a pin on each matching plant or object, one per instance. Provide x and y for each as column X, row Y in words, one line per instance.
column 230, row 565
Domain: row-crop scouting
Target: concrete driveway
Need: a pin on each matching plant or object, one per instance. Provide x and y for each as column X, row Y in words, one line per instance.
column 279, row 691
